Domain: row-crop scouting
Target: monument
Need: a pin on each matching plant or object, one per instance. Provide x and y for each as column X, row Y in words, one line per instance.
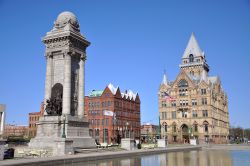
column 2, row 120
column 63, row 126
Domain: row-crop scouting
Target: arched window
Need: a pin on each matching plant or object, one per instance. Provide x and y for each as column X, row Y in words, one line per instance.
column 195, row 126
column 191, row 58
column 183, row 84
column 166, row 128
column 205, row 123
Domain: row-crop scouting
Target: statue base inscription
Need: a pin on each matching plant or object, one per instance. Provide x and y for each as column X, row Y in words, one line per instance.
column 62, row 134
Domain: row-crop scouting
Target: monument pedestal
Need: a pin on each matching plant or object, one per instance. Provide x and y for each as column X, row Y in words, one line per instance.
column 2, row 143
column 128, row 144
column 162, row 143
column 50, row 134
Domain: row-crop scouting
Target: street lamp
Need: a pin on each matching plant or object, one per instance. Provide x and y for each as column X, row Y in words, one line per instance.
column 64, row 120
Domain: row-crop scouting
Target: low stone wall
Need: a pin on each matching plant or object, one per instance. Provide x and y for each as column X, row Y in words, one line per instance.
column 74, row 159
column 2, row 143
column 25, row 152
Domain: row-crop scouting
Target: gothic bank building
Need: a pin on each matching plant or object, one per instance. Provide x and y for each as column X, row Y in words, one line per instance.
column 194, row 105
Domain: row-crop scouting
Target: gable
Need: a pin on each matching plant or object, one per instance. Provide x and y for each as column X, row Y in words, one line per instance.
column 107, row 92
column 183, row 76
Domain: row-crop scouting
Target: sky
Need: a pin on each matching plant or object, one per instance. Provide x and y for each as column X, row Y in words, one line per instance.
column 132, row 42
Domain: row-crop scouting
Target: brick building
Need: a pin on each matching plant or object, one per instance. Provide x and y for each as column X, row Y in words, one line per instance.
column 11, row 130
column 33, row 119
column 149, row 132
column 125, row 108
column 194, row 105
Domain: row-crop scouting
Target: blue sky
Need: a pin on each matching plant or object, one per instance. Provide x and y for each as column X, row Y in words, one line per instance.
column 132, row 43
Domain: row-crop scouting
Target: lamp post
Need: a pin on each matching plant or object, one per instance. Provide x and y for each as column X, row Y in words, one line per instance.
column 64, row 120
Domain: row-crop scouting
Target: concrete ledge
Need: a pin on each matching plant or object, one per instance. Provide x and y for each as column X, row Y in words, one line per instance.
column 93, row 156
column 228, row 147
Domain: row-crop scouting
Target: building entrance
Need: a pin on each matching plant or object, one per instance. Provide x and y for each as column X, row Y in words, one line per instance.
column 184, row 132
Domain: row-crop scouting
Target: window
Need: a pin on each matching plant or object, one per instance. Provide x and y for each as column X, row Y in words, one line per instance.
column 97, row 132
column 175, row 138
column 191, row 58
column 204, row 101
column 183, row 102
column 194, row 113
column 195, row 128
column 166, row 128
column 173, row 104
column 107, row 122
column 184, row 114
column 194, row 102
column 103, row 121
column 183, row 92
column 164, row 115
column 183, row 83
column 204, row 113
column 163, row 104
column 206, row 127
column 203, row 91
column 174, row 114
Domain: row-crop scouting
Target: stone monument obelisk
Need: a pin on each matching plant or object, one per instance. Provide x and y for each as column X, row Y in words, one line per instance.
column 2, row 119
column 2, row 124
column 63, row 126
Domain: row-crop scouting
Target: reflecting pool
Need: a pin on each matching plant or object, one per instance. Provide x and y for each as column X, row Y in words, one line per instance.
column 189, row 158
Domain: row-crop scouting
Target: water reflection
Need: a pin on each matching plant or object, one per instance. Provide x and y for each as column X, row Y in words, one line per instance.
column 192, row 158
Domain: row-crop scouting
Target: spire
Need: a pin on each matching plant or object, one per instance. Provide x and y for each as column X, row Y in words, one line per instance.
column 192, row 48
column 165, row 80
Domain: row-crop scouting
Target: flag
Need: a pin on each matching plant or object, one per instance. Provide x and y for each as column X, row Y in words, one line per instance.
column 167, row 97
column 108, row 113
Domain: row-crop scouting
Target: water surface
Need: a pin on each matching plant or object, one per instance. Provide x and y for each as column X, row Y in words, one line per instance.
column 189, row 158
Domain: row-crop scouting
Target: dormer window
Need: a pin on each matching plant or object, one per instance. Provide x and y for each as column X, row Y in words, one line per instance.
column 191, row 58
column 183, row 84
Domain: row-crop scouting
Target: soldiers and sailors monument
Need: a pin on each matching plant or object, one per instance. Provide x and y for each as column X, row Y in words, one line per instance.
column 63, row 126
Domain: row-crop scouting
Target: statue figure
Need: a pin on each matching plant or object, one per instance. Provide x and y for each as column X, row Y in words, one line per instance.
column 54, row 105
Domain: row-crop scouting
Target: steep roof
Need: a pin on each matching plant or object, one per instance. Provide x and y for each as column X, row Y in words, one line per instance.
column 95, row 93
column 130, row 95
column 112, row 88
column 192, row 48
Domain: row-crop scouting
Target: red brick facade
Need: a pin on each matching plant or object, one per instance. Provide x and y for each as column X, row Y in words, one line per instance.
column 125, row 123
column 33, row 119
column 11, row 130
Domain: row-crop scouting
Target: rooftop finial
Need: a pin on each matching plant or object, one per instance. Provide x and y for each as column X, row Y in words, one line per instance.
column 165, row 80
